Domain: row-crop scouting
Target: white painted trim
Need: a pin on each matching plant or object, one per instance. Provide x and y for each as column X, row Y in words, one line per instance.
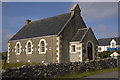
column 8, row 61
column 80, row 51
column 58, row 49
column 29, row 61
column 113, row 41
column 17, row 60
column 74, row 42
column 16, row 48
column 39, row 46
column 8, row 55
column 82, row 28
column 27, row 47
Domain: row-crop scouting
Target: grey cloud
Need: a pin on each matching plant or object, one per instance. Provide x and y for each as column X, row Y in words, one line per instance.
column 103, row 31
column 98, row 10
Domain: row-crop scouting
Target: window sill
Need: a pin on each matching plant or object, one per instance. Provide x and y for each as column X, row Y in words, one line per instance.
column 73, row 52
column 29, row 53
column 17, row 53
column 42, row 53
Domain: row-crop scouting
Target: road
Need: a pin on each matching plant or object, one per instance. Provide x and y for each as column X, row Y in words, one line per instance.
column 106, row 75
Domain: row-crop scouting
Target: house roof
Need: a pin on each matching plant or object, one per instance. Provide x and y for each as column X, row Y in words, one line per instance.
column 44, row 27
column 106, row 41
column 79, row 35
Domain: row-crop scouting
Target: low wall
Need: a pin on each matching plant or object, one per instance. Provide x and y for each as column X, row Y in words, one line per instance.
column 54, row 70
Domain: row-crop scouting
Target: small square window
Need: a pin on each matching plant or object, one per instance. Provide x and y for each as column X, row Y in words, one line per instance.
column 73, row 48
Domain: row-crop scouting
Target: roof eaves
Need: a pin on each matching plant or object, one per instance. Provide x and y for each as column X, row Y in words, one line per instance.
column 17, row 32
column 85, row 34
column 65, row 25
column 94, row 36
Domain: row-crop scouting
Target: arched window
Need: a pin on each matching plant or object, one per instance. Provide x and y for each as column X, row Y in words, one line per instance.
column 29, row 47
column 89, row 51
column 18, row 48
column 99, row 49
column 42, row 46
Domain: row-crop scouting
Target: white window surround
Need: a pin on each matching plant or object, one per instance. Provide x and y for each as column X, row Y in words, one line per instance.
column 29, row 41
column 39, row 46
column 17, row 60
column 16, row 48
column 29, row 61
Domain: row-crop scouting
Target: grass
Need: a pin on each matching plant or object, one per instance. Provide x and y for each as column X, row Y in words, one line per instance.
column 11, row 65
column 85, row 74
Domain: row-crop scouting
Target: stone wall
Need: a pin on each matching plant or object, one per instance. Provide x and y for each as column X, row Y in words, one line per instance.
column 54, row 70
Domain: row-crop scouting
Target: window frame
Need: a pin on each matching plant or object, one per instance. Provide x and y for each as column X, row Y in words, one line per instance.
column 113, row 44
column 16, row 48
column 27, row 47
column 40, row 47
column 73, row 46
column 100, row 49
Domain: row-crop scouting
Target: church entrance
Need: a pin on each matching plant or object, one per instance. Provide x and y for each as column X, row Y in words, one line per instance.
column 89, row 51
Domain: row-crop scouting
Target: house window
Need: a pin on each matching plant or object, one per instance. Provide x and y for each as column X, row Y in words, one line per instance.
column 73, row 48
column 113, row 45
column 42, row 46
column 99, row 48
column 18, row 48
column 29, row 47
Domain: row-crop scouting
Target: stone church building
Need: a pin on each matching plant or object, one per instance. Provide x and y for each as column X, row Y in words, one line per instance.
column 59, row 39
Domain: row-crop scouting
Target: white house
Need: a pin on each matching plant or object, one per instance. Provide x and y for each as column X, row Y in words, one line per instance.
column 109, row 44
column 114, row 55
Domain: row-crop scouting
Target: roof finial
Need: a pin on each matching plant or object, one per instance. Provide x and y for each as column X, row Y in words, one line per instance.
column 75, row 9
column 27, row 21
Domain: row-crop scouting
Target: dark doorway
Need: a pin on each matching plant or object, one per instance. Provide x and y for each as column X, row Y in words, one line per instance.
column 89, row 51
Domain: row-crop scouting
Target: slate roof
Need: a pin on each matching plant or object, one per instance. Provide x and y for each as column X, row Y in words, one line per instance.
column 106, row 41
column 80, row 33
column 44, row 27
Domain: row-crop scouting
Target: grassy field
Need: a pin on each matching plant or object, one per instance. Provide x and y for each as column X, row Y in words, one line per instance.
column 11, row 65
column 85, row 74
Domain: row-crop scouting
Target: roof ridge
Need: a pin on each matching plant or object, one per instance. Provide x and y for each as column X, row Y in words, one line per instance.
column 50, row 17
column 108, row 38
column 82, row 28
column 85, row 34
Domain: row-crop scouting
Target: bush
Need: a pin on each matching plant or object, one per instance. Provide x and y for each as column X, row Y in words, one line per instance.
column 106, row 54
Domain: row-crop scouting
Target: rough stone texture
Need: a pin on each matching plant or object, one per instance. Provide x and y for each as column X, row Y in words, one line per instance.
column 35, row 57
column 53, row 70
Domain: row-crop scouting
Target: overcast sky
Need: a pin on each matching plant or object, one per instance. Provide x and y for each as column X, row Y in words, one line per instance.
column 101, row 16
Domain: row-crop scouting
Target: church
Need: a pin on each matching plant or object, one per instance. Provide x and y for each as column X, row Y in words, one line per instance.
column 58, row 39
